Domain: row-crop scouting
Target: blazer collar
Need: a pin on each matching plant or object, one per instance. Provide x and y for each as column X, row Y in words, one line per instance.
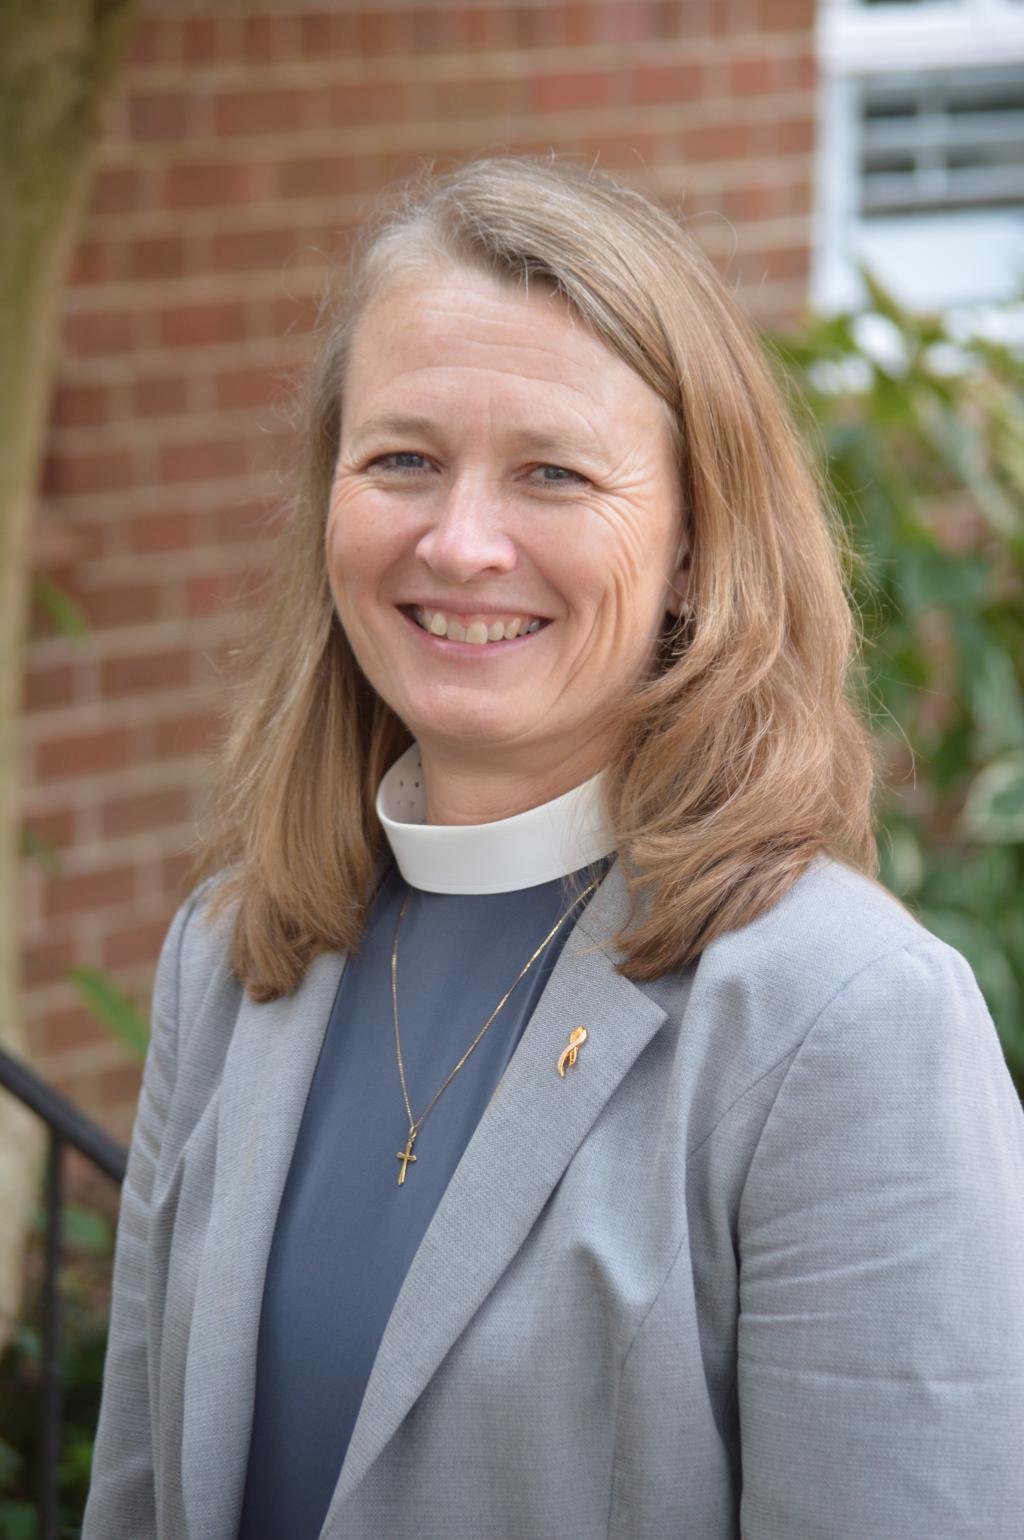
column 479, row 1225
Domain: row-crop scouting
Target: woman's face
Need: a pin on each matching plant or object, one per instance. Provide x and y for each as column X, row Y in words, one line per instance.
column 504, row 523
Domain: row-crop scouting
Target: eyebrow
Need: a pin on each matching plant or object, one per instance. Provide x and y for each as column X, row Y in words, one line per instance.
column 531, row 441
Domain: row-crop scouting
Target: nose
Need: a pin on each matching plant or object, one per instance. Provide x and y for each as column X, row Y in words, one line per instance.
column 466, row 538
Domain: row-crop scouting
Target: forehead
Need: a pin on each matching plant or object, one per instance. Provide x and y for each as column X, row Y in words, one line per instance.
column 460, row 330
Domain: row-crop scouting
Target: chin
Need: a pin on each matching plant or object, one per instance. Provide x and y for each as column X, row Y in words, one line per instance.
column 479, row 727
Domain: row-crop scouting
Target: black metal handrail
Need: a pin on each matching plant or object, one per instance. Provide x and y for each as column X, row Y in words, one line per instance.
column 68, row 1126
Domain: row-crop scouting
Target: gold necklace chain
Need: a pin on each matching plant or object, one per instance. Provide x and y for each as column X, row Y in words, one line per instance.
column 406, row 1155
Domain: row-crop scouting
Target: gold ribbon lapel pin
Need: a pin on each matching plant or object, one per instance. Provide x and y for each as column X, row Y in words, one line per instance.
column 577, row 1037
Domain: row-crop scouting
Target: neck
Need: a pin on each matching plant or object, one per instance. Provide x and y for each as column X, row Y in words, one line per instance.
column 461, row 790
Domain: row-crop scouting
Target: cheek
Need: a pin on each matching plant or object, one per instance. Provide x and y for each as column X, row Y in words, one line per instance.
column 359, row 543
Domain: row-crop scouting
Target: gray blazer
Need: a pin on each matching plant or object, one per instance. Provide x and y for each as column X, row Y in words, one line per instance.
column 754, row 1267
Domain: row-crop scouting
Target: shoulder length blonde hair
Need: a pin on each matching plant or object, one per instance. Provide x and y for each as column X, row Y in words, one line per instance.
column 740, row 757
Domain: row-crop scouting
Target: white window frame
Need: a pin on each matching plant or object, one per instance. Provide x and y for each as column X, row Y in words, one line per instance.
column 856, row 40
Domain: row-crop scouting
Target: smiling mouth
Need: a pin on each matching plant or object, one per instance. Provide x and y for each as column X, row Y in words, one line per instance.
column 478, row 630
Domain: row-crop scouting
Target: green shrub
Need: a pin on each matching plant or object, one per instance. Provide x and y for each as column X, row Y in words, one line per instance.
column 920, row 431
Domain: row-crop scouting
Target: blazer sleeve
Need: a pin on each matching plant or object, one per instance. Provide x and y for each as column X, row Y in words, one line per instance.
column 121, row 1503
column 881, row 1238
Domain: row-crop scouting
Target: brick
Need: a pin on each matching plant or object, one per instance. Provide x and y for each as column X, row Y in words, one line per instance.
column 47, row 963
column 430, row 31
column 47, row 688
column 151, row 42
column 81, row 406
column 779, row 262
column 268, row 39
column 382, row 32
column 327, row 33
column 56, row 828
column 92, row 335
column 115, row 191
column 158, row 256
column 570, row 89
column 176, row 876
column 575, row 23
column 654, row 84
column 148, row 810
column 368, row 101
column 158, row 115
column 246, row 522
column 66, row 1030
column 529, row 26
column 785, row 16
column 250, row 387
column 259, row 112
column 119, row 1085
column 91, row 264
column 161, row 532
column 478, row 98
column 89, row 891
column 121, row 604
column 204, row 40
column 794, row 136
column 189, row 326
column 249, row 250
column 160, row 397
column 718, row 142
column 804, row 72
column 296, row 313
column 74, row 475
column 145, row 674
column 325, row 176
column 214, row 184
column 137, row 944
column 179, row 737
column 208, row 594
column 84, row 753
column 753, row 75
column 204, row 461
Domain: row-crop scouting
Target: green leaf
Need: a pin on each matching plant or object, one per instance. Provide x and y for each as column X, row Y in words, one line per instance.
column 87, row 1231
column 106, row 1002
column 57, row 604
column 18, row 1521
column 994, row 809
column 11, row 1462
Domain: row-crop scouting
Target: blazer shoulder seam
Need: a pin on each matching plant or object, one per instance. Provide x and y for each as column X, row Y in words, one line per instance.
column 788, row 1058
column 925, row 941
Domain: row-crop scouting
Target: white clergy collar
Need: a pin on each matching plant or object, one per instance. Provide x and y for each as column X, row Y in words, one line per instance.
column 545, row 842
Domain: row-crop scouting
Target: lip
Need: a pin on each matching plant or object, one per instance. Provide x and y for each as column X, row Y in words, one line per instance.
column 441, row 647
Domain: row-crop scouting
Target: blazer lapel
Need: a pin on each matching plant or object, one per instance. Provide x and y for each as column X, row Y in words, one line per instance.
column 528, row 1134
column 267, row 1075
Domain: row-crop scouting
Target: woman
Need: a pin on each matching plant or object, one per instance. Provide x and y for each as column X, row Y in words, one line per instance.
column 550, row 1128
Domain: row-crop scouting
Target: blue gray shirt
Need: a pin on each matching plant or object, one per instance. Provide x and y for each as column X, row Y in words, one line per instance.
column 346, row 1230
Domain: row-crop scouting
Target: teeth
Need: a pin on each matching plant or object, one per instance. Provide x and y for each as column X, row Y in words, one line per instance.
column 478, row 632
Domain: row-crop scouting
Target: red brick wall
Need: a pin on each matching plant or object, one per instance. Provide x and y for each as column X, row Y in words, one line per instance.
column 243, row 142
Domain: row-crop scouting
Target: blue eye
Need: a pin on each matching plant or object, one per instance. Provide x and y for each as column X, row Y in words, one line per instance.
column 561, row 477
column 400, row 461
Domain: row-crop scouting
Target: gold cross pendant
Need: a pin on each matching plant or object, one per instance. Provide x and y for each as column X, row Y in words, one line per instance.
column 405, row 1156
